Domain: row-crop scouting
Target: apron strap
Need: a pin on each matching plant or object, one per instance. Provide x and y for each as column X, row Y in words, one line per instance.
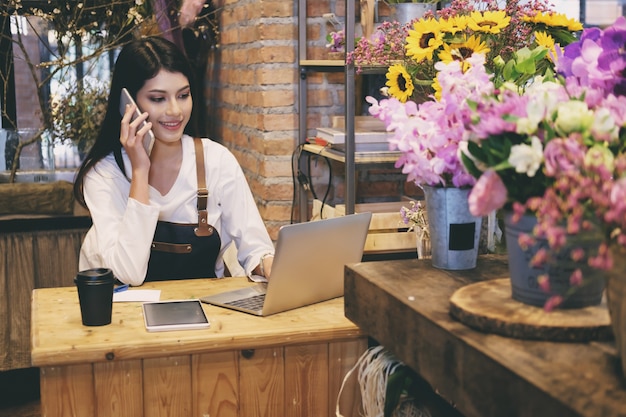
column 203, row 228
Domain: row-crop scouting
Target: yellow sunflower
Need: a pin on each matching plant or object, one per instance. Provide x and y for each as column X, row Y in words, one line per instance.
column 424, row 39
column 547, row 41
column 462, row 51
column 557, row 20
column 399, row 82
column 437, row 88
column 453, row 25
column 488, row 21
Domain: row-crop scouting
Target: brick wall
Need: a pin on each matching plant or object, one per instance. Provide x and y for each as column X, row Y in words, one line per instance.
column 255, row 95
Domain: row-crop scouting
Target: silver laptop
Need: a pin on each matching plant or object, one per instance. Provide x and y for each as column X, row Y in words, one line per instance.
column 308, row 266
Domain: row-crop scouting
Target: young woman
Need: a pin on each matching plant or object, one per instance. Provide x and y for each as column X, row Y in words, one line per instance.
column 153, row 218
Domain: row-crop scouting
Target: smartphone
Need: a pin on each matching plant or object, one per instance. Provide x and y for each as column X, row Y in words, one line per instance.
column 148, row 139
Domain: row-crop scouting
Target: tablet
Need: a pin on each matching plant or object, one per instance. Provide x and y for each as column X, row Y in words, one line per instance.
column 160, row 316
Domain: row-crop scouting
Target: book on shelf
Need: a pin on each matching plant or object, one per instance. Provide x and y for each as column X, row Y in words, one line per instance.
column 337, row 136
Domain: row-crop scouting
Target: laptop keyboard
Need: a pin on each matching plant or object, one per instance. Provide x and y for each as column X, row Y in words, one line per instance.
column 252, row 303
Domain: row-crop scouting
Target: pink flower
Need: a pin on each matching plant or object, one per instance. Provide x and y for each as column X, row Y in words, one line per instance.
column 544, row 282
column 563, row 155
column 552, row 303
column 576, row 278
column 488, row 194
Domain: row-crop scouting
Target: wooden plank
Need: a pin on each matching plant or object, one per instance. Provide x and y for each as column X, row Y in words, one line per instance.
column 58, row 270
column 19, row 286
column 483, row 374
column 386, row 233
column 306, row 380
column 31, row 260
column 262, row 383
column 119, row 388
column 37, row 198
column 67, row 391
column 60, row 338
column 167, row 386
column 5, row 308
column 342, row 356
column 215, row 384
column 391, row 242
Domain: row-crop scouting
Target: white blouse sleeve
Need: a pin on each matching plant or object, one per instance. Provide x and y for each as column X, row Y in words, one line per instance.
column 240, row 214
column 123, row 228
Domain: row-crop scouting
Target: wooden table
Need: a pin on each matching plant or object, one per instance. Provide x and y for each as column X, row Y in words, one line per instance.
column 288, row 364
column 404, row 305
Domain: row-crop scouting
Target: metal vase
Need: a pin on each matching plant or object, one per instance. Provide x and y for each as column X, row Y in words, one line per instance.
column 407, row 12
column 454, row 232
column 524, row 285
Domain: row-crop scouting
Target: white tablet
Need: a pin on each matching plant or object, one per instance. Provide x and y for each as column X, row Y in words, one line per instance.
column 162, row 316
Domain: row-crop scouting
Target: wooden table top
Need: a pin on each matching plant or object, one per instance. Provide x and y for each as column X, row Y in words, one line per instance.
column 404, row 305
column 58, row 336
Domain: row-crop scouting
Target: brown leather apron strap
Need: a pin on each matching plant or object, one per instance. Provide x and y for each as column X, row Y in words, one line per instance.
column 203, row 228
column 172, row 247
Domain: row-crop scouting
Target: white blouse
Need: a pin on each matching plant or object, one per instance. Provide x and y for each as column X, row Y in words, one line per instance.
column 122, row 231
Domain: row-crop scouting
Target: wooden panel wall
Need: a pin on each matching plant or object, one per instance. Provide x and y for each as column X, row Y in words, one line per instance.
column 292, row 381
column 31, row 260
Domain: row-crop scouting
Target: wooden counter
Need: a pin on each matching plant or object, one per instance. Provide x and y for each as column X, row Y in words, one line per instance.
column 404, row 305
column 288, row 364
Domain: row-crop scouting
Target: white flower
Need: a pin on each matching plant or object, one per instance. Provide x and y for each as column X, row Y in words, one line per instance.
column 527, row 158
column 573, row 116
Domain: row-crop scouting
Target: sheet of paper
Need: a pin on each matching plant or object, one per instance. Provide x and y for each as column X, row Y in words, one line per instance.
column 137, row 295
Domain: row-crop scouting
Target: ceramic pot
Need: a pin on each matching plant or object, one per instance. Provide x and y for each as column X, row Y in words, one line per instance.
column 524, row 285
column 454, row 232
column 422, row 244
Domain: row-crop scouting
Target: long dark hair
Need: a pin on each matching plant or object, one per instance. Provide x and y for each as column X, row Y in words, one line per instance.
column 137, row 62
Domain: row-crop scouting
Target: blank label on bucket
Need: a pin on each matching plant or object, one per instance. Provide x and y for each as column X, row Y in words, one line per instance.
column 462, row 236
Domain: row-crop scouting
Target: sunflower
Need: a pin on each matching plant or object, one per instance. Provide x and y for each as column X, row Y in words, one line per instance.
column 399, row 82
column 488, row 21
column 424, row 39
column 454, row 24
column 462, row 51
column 555, row 20
column 547, row 41
column 438, row 91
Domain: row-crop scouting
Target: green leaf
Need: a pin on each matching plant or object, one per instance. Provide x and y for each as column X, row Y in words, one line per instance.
column 470, row 166
column 396, row 385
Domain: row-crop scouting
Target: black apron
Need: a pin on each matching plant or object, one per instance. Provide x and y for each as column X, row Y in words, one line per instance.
column 184, row 251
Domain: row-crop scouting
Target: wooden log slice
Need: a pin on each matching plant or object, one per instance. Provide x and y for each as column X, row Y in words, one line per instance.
column 488, row 306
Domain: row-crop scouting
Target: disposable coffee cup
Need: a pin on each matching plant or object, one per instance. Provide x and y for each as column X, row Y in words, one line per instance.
column 95, row 295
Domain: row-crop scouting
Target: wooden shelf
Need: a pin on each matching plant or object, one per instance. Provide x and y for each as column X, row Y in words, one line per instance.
column 367, row 157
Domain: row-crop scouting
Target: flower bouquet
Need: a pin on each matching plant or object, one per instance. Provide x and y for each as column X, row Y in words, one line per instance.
column 555, row 150
column 454, row 34
column 460, row 57
column 415, row 217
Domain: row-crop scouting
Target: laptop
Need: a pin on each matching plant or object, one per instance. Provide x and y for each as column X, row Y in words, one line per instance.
column 308, row 266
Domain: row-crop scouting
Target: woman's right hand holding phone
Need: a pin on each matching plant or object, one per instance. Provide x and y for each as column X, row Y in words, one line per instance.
column 131, row 137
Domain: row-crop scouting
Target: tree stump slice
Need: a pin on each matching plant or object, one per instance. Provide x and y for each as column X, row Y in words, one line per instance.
column 487, row 306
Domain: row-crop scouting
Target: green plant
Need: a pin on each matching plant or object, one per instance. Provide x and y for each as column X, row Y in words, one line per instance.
column 77, row 114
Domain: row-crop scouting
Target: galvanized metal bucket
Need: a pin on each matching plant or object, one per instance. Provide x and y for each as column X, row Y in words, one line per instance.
column 406, row 12
column 454, row 232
